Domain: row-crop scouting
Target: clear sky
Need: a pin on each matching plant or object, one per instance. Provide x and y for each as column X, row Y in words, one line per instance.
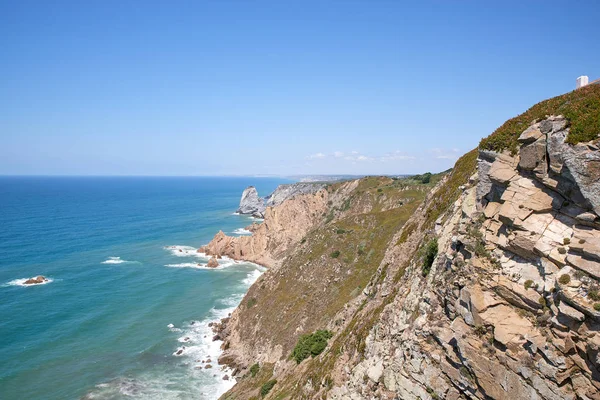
column 279, row 87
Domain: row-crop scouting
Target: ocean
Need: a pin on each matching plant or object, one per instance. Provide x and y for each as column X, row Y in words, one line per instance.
column 127, row 289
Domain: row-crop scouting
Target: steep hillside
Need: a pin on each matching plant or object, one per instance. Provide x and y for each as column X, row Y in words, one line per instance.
column 483, row 283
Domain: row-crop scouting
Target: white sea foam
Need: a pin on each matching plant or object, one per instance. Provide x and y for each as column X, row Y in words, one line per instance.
column 189, row 265
column 253, row 276
column 193, row 344
column 242, row 231
column 21, row 282
column 116, row 260
column 188, row 251
column 184, row 251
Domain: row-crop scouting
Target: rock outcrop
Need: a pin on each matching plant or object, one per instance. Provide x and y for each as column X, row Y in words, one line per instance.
column 251, row 204
column 284, row 192
column 36, row 281
column 212, row 263
column 283, row 227
column 254, row 205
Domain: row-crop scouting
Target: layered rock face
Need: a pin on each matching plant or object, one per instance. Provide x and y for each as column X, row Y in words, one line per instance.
column 510, row 309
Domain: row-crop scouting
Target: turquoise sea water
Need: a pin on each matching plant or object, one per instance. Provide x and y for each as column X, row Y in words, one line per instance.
column 126, row 290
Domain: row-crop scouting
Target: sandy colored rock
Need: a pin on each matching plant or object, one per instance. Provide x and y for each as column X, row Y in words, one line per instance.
column 212, row 263
column 588, row 266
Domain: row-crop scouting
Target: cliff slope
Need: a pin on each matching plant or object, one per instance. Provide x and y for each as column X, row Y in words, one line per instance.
column 482, row 284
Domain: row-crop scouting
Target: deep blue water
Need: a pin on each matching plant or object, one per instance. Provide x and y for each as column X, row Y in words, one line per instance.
column 100, row 328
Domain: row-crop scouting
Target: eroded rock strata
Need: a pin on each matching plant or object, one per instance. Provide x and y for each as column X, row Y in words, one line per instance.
column 509, row 307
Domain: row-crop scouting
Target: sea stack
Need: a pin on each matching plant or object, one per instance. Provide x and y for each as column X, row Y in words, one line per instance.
column 251, row 204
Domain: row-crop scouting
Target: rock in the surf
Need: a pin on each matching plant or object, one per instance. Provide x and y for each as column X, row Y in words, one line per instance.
column 36, row 281
column 212, row 263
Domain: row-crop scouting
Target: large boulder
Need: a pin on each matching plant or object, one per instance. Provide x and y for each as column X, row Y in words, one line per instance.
column 212, row 263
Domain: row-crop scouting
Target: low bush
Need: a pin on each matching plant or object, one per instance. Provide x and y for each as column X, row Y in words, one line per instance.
column 528, row 283
column 597, row 306
column 593, row 294
column 335, row 254
column 564, row 279
column 266, row 388
column 429, row 254
column 311, row 345
column 254, row 369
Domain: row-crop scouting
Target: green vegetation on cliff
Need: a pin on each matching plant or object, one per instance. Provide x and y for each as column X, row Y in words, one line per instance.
column 449, row 191
column 311, row 345
column 429, row 253
column 581, row 108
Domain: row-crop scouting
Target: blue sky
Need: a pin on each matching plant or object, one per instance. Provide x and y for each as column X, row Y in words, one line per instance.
column 281, row 87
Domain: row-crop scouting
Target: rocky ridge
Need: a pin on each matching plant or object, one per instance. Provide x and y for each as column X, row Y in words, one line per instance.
column 254, row 205
column 508, row 309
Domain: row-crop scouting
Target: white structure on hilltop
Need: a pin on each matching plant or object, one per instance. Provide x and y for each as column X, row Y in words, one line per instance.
column 582, row 81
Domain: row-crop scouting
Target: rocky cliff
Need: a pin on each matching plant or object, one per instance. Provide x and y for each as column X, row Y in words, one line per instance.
column 252, row 204
column 482, row 284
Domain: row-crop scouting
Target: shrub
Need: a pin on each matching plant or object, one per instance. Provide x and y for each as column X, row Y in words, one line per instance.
column 542, row 301
column 528, row 283
column 564, row 279
column 426, row 178
column 379, row 190
column 340, row 231
column 480, row 330
column 303, row 241
column 345, row 205
column 431, row 250
column 335, row 254
column 266, row 388
column 597, row 306
column 254, row 369
column 566, row 241
column 562, row 250
column 251, row 302
column 311, row 345
column 464, row 371
column 593, row 294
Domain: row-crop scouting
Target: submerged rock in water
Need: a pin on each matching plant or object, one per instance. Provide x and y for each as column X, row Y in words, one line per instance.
column 36, row 281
